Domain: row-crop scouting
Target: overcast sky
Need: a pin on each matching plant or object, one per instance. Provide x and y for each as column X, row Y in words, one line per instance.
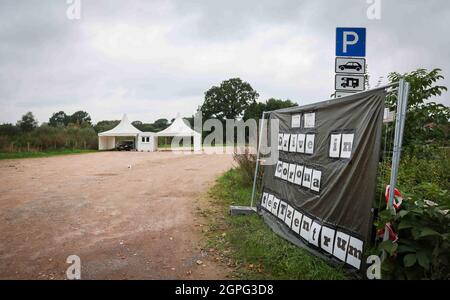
column 153, row 59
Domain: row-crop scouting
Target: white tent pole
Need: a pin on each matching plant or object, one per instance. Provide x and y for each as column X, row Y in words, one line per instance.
column 257, row 159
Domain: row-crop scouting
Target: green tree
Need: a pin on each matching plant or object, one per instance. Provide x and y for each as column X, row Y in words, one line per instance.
column 255, row 110
column 137, row 124
column 161, row 124
column 9, row 130
column 105, row 125
column 426, row 121
column 28, row 122
column 229, row 100
column 80, row 117
column 59, row 119
column 146, row 127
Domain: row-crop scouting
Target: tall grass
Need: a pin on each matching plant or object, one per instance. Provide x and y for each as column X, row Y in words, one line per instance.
column 246, row 166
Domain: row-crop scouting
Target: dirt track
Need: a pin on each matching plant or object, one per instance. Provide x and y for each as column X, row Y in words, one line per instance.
column 124, row 223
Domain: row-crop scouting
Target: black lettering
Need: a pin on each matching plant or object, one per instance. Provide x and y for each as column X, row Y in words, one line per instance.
column 341, row 243
column 289, row 214
column 280, row 167
column 354, row 252
column 326, row 241
column 315, row 183
column 347, row 146
column 296, row 222
column 335, row 144
column 305, row 226
column 307, row 177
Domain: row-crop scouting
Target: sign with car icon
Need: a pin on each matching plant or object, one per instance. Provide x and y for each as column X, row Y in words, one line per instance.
column 354, row 83
column 350, row 65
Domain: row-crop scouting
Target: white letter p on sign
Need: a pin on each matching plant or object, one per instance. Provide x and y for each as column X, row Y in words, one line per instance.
column 349, row 42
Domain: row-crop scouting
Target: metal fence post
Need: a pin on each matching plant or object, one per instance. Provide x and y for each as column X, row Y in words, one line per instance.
column 257, row 158
column 402, row 104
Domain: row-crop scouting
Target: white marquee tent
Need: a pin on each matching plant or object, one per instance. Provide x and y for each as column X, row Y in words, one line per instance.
column 146, row 141
column 107, row 139
column 180, row 128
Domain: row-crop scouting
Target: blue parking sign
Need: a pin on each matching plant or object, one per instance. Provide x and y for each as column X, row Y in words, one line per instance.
column 351, row 42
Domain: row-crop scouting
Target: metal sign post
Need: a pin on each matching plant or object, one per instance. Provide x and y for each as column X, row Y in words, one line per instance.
column 402, row 104
column 246, row 210
column 257, row 158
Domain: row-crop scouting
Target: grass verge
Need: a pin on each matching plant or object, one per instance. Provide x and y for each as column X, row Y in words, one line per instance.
column 19, row 155
column 248, row 246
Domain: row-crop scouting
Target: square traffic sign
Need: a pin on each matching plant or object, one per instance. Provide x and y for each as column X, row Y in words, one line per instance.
column 351, row 42
column 348, row 82
column 350, row 65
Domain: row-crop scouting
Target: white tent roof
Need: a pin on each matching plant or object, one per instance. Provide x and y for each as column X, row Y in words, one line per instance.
column 179, row 127
column 123, row 129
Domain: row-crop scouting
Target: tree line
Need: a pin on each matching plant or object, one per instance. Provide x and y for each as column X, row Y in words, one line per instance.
column 427, row 121
column 233, row 99
column 62, row 131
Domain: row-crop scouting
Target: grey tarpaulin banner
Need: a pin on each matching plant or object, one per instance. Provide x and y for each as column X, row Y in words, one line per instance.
column 319, row 194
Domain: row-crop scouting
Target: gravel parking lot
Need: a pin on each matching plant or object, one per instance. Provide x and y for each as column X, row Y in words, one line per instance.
column 126, row 215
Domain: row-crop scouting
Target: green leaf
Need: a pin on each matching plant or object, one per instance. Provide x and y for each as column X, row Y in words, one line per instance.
column 409, row 260
column 405, row 249
column 423, row 260
column 389, row 247
column 386, row 215
column 403, row 213
column 427, row 232
column 405, row 225
column 446, row 236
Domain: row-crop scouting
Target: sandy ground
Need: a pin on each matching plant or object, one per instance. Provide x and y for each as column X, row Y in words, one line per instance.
column 124, row 223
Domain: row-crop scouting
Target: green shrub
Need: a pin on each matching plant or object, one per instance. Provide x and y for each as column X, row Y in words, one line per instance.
column 423, row 248
column 46, row 138
column 423, row 224
column 246, row 166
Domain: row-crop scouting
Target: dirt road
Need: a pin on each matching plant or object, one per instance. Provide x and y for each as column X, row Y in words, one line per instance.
column 126, row 215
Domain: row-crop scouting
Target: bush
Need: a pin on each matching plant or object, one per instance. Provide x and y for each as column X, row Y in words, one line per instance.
column 423, row 224
column 423, row 248
column 46, row 138
column 415, row 170
column 246, row 166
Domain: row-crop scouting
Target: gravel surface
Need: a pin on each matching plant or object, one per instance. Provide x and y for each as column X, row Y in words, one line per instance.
column 127, row 215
